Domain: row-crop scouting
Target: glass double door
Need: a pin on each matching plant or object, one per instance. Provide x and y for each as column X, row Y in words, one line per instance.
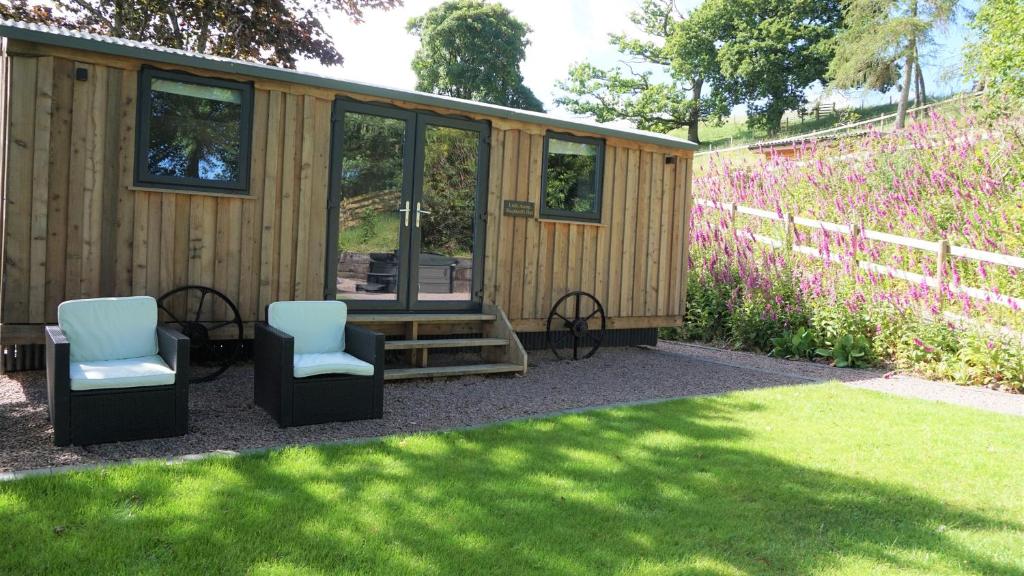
column 408, row 195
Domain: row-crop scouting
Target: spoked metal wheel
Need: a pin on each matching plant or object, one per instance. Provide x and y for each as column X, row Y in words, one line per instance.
column 576, row 321
column 214, row 327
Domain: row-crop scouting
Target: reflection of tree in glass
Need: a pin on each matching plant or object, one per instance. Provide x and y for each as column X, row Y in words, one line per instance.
column 372, row 157
column 194, row 137
column 449, row 185
column 570, row 182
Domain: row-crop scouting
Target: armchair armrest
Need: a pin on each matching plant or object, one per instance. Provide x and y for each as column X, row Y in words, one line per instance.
column 274, row 355
column 173, row 347
column 58, row 384
column 366, row 345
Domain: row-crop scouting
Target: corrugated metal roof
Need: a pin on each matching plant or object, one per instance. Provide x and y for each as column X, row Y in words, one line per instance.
column 143, row 51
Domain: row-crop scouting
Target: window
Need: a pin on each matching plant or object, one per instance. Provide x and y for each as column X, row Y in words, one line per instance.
column 194, row 132
column 572, row 177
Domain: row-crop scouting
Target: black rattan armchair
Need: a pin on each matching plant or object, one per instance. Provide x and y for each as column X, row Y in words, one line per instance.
column 312, row 368
column 112, row 374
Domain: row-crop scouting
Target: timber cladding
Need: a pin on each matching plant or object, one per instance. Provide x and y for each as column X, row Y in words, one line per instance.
column 74, row 225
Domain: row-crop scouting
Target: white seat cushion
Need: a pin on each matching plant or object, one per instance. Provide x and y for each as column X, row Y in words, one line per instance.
column 330, row 363
column 122, row 373
column 109, row 328
column 318, row 326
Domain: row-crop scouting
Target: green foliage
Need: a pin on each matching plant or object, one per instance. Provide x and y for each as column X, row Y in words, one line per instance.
column 880, row 34
column 798, row 344
column 682, row 49
column 277, row 32
column 472, row 49
column 848, row 351
column 449, row 186
column 771, row 50
column 997, row 57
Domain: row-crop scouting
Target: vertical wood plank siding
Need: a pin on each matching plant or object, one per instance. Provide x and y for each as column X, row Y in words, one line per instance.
column 76, row 227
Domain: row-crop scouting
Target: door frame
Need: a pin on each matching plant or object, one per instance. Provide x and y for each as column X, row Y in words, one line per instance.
column 412, row 183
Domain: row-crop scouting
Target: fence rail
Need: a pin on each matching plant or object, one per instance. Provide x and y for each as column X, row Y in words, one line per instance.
column 942, row 250
column 354, row 209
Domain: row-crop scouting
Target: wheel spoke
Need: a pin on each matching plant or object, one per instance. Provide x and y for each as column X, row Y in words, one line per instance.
column 577, row 314
column 564, row 319
column 575, row 347
column 220, row 325
column 199, row 308
column 171, row 314
column 592, row 314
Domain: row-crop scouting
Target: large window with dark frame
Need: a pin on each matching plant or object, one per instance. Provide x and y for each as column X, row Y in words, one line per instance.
column 573, row 169
column 194, row 132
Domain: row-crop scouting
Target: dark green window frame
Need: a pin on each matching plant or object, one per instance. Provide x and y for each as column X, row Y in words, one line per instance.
column 594, row 216
column 143, row 177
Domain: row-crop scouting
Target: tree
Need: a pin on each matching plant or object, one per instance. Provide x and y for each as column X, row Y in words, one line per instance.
column 275, row 32
column 771, row 50
column 996, row 59
column 472, row 49
column 681, row 48
column 883, row 39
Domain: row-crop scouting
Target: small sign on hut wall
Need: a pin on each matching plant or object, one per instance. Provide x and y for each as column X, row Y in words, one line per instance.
column 518, row 208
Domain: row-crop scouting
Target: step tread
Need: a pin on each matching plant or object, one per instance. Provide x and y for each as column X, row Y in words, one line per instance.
column 442, row 371
column 443, row 343
column 433, row 317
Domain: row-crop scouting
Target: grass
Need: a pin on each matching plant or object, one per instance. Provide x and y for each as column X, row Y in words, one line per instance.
column 818, row 479
column 376, row 233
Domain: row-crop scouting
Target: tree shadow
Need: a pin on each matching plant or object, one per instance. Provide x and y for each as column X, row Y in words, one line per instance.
column 655, row 489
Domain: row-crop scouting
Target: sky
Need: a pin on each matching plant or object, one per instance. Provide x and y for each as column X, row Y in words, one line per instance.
column 379, row 50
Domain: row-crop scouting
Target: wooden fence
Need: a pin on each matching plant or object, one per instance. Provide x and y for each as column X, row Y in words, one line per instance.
column 353, row 209
column 942, row 250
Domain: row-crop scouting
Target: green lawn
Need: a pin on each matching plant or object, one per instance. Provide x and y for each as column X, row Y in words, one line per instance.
column 819, row 479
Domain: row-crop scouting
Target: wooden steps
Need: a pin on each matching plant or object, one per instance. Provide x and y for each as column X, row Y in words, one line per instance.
column 487, row 335
column 444, row 343
column 450, row 371
column 425, row 318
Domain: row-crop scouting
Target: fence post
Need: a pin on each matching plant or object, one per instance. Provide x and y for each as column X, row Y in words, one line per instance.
column 940, row 269
column 733, row 210
column 854, row 245
column 790, row 231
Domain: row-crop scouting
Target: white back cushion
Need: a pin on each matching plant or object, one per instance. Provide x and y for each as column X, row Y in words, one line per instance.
column 318, row 326
column 109, row 328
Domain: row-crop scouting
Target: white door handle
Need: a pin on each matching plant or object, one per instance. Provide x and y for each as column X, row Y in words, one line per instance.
column 406, row 212
column 418, row 213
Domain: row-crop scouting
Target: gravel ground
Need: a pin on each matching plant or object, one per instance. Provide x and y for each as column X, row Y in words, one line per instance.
column 223, row 416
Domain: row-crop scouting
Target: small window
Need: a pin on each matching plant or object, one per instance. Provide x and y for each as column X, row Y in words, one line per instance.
column 194, row 132
column 572, row 177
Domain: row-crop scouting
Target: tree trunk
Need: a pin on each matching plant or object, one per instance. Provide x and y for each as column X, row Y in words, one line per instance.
column 920, row 81
column 905, row 92
column 908, row 74
column 693, row 122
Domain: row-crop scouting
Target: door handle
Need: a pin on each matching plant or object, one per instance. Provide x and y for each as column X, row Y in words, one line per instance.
column 406, row 212
column 419, row 212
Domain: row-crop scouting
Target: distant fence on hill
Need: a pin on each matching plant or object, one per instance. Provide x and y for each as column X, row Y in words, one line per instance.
column 942, row 250
column 882, row 120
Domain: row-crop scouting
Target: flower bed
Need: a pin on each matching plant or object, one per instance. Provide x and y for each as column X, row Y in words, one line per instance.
column 955, row 178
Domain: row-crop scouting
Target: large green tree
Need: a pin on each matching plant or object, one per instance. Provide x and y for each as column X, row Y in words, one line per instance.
column 996, row 59
column 882, row 37
column 665, row 81
column 472, row 49
column 275, row 32
column 771, row 51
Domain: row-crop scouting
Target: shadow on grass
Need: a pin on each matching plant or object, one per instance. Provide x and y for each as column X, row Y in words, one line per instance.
column 654, row 489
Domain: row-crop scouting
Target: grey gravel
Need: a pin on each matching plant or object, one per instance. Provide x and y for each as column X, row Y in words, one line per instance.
column 223, row 417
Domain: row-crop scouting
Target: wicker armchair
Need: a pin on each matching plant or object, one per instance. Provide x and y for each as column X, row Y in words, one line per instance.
column 112, row 374
column 312, row 368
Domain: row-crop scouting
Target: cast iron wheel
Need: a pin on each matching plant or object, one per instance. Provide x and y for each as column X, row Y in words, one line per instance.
column 576, row 331
column 209, row 354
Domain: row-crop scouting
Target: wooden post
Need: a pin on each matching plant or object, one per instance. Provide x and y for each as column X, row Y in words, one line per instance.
column 940, row 269
column 854, row 244
column 790, row 231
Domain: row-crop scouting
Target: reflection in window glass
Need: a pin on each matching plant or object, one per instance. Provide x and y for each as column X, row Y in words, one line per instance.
column 195, row 132
column 369, row 227
column 572, row 178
